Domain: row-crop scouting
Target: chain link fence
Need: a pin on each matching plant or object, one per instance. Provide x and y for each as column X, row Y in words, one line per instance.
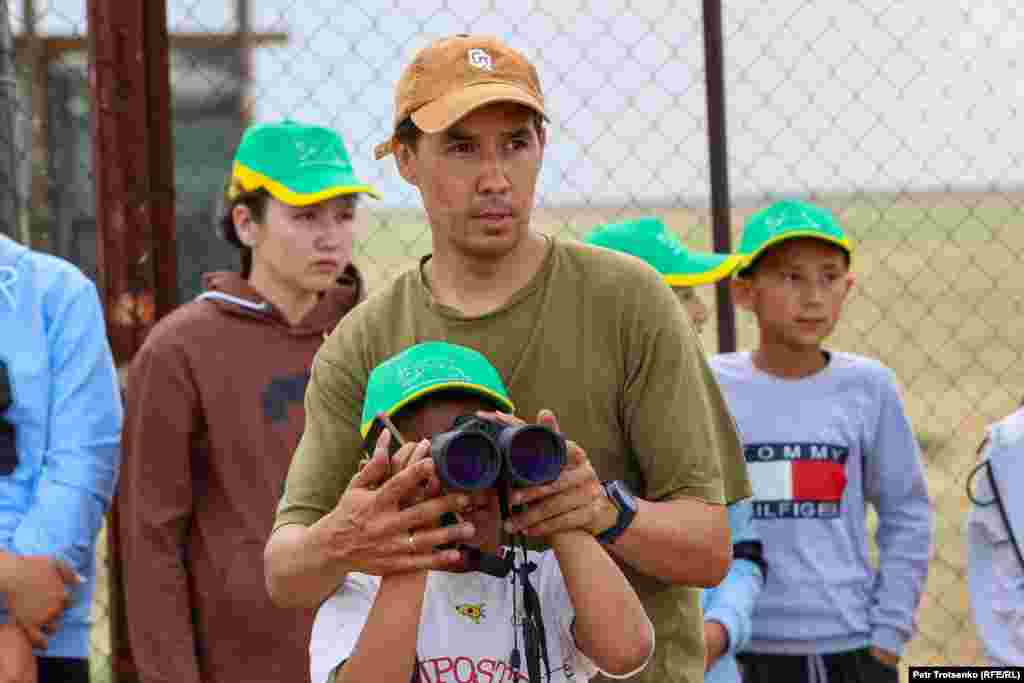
column 898, row 116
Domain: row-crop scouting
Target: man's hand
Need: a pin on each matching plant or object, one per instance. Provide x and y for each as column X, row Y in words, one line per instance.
column 388, row 525
column 716, row 641
column 574, row 501
column 39, row 592
column 17, row 663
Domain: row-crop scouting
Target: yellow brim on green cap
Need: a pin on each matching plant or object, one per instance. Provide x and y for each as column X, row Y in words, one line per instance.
column 787, row 220
column 427, row 368
column 333, row 184
column 297, row 163
column 648, row 239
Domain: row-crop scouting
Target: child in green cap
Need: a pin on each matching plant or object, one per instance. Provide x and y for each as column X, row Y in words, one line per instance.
column 824, row 434
column 436, row 626
column 683, row 270
column 291, row 205
column 727, row 608
column 214, row 411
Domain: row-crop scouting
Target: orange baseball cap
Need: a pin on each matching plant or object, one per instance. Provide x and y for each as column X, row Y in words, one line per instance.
column 454, row 76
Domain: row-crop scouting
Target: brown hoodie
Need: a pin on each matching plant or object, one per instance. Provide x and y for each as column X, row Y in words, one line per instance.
column 213, row 413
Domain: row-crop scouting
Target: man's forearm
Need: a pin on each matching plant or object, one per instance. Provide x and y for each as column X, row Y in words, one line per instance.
column 299, row 573
column 684, row 541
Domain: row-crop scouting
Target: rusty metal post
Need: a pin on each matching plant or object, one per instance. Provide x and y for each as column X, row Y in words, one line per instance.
column 8, row 109
column 38, row 59
column 718, row 158
column 133, row 163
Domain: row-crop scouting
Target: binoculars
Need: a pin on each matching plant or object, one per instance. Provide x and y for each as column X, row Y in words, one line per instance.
column 475, row 453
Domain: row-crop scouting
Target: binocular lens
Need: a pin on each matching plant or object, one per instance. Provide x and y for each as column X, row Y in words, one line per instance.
column 469, row 462
column 535, row 456
column 474, row 454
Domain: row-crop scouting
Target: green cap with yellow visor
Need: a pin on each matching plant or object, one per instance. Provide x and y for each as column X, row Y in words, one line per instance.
column 786, row 220
column 426, row 368
column 648, row 238
column 296, row 163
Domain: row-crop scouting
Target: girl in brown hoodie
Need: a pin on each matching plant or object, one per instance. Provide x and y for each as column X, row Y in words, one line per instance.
column 214, row 410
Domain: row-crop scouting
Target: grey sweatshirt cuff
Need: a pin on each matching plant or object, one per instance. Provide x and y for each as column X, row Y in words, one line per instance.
column 888, row 638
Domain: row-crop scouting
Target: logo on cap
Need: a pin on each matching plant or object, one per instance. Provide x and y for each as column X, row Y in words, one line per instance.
column 430, row 371
column 479, row 58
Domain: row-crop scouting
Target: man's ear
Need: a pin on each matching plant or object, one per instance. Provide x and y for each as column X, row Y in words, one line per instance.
column 742, row 289
column 245, row 226
column 405, row 158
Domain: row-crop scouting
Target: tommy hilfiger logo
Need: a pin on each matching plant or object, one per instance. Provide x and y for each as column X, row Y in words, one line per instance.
column 797, row 480
column 480, row 58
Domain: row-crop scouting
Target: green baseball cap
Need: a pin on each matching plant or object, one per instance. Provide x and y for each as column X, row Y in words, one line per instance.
column 298, row 164
column 425, row 368
column 788, row 220
column 649, row 239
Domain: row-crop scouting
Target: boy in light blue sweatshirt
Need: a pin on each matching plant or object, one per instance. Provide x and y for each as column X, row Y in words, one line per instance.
column 824, row 435
column 60, row 430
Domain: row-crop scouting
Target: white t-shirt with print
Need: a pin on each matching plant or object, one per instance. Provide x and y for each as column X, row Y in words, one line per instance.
column 465, row 630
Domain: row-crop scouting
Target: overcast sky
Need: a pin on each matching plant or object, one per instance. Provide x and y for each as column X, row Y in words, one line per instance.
column 823, row 95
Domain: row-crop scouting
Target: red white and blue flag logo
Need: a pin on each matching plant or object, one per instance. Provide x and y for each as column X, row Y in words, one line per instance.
column 797, row 480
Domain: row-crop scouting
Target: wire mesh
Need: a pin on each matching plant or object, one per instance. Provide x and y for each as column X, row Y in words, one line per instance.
column 899, row 116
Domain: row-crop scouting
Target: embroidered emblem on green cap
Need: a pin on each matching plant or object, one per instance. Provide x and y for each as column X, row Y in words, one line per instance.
column 649, row 239
column 786, row 220
column 298, row 164
column 425, row 368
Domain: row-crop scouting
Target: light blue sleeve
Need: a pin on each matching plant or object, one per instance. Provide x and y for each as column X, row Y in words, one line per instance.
column 731, row 603
column 895, row 484
column 82, row 454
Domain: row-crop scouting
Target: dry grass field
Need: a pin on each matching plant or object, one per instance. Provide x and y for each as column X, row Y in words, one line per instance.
column 938, row 299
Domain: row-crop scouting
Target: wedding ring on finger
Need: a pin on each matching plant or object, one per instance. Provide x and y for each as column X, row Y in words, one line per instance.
column 412, row 544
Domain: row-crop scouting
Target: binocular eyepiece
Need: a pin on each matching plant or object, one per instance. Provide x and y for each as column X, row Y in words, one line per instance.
column 476, row 452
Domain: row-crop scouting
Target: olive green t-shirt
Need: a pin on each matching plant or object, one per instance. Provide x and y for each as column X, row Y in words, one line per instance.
column 597, row 338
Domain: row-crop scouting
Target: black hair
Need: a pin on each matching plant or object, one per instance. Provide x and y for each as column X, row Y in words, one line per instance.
column 408, row 134
column 256, row 201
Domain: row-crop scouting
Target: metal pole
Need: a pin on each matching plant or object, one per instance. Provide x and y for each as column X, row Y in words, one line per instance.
column 133, row 166
column 8, row 106
column 244, row 21
column 721, row 224
column 39, row 192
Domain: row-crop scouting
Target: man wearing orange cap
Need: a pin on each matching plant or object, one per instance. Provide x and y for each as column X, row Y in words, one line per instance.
column 588, row 335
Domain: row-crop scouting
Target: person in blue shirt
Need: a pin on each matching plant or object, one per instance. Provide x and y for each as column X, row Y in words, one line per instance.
column 728, row 608
column 60, row 431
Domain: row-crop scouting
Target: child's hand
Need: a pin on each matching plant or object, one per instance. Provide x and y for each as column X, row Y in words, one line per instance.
column 40, row 593
column 574, row 502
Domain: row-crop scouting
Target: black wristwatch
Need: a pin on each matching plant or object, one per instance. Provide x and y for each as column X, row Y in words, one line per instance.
column 623, row 498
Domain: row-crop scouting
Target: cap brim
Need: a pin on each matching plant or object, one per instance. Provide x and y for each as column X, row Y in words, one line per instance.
column 704, row 269
column 843, row 244
column 468, row 387
column 317, row 184
column 445, row 111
